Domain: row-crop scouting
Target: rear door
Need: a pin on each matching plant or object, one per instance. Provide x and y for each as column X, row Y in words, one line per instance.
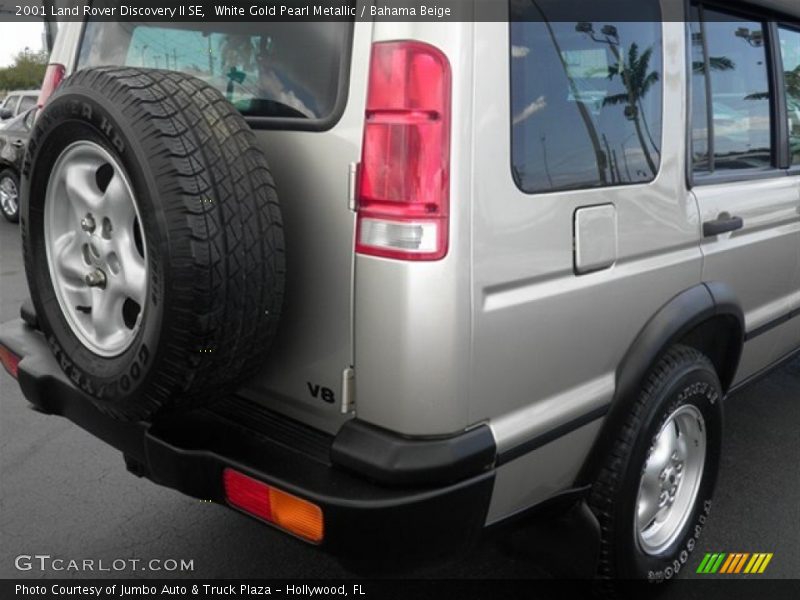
column 789, row 42
column 748, row 203
column 583, row 227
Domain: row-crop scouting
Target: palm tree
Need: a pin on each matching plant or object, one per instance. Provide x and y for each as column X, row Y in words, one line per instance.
column 792, row 79
column 716, row 63
column 638, row 80
column 792, row 83
column 600, row 158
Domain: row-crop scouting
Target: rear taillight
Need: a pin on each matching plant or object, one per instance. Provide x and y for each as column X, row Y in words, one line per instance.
column 404, row 177
column 10, row 361
column 293, row 514
column 53, row 77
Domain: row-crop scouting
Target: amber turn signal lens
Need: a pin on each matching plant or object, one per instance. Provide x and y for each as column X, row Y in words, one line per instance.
column 286, row 511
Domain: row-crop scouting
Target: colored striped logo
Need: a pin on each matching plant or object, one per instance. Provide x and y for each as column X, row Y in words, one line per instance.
column 734, row 563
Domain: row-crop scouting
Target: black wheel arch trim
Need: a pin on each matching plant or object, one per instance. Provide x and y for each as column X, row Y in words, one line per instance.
column 676, row 321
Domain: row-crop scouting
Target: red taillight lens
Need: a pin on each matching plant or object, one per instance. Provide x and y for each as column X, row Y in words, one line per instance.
column 404, row 178
column 280, row 508
column 10, row 361
column 53, row 77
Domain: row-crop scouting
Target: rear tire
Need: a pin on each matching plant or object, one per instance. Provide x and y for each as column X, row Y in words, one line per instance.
column 653, row 494
column 152, row 184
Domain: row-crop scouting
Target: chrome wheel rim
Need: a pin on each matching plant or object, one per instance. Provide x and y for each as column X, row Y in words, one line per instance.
column 670, row 480
column 96, row 252
column 9, row 196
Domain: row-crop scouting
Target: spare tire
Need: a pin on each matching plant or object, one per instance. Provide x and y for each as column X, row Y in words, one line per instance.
column 152, row 239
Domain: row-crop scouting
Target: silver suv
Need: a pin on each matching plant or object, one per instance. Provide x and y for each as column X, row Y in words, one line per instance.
column 383, row 285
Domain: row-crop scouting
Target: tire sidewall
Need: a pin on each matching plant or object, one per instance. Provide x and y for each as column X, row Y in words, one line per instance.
column 697, row 385
column 69, row 118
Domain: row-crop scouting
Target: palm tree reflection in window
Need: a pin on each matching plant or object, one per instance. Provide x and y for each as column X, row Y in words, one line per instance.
column 792, row 84
column 634, row 71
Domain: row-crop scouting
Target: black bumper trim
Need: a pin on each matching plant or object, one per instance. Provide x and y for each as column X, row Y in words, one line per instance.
column 391, row 459
column 189, row 452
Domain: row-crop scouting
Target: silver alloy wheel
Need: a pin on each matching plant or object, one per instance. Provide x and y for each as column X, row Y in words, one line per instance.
column 9, row 196
column 670, row 480
column 96, row 252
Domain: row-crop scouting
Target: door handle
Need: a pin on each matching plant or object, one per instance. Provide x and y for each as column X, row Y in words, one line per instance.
column 724, row 223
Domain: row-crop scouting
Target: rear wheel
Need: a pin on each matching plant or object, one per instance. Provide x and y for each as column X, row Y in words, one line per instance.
column 653, row 495
column 9, row 195
column 153, row 240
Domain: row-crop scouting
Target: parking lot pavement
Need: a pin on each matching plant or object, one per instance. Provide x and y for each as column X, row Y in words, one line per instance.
column 66, row 494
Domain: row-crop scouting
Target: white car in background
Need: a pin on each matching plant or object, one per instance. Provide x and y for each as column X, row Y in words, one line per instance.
column 16, row 103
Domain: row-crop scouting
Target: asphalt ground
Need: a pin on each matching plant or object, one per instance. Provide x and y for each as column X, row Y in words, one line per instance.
column 66, row 494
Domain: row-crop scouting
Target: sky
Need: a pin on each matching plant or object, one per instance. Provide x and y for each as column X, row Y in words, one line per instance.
column 14, row 37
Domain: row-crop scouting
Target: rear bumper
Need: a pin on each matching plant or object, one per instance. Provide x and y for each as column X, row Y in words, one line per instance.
column 365, row 516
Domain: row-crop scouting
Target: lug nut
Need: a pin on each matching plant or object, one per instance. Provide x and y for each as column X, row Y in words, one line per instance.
column 88, row 224
column 96, row 279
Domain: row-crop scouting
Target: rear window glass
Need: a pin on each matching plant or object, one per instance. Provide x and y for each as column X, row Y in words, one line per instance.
column 586, row 97
column 278, row 70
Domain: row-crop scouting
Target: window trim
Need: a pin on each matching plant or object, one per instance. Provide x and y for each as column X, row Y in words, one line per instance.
column 738, row 175
column 780, row 124
column 778, row 114
column 285, row 123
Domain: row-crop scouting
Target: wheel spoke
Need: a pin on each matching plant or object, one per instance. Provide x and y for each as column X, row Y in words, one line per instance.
column 81, row 186
column 682, row 446
column 69, row 262
column 118, row 204
column 661, row 453
column 133, row 271
column 670, row 435
column 78, row 296
column 647, row 509
column 107, row 314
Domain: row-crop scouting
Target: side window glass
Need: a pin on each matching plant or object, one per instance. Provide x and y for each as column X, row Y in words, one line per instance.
column 11, row 104
column 790, row 50
column 26, row 103
column 586, row 97
column 731, row 126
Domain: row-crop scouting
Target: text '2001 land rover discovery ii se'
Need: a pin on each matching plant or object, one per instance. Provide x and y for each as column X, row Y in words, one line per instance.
column 372, row 281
